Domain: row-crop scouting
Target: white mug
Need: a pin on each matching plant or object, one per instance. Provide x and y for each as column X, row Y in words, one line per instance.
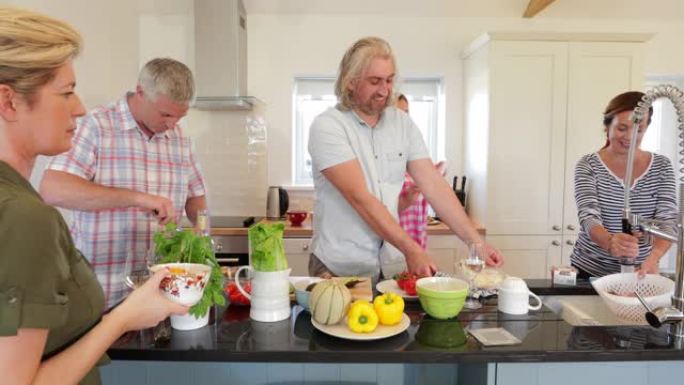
column 514, row 297
column 270, row 297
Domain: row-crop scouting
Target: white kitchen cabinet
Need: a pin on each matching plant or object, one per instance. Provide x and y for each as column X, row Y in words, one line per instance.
column 566, row 248
column 533, row 256
column 297, row 251
column 534, row 106
column 528, row 256
column 597, row 73
column 445, row 251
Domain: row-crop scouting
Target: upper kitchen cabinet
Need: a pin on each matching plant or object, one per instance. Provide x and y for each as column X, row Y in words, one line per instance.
column 534, row 106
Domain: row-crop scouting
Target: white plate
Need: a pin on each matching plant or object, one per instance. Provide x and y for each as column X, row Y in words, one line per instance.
column 342, row 331
column 390, row 286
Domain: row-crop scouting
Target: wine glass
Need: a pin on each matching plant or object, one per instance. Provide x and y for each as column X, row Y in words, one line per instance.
column 136, row 269
column 136, row 272
column 472, row 266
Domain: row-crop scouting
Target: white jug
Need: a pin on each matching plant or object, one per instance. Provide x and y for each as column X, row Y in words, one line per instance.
column 270, row 298
column 514, row 297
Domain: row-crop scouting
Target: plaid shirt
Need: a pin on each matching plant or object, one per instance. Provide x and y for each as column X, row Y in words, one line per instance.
column 111, row 150
column 414, row 218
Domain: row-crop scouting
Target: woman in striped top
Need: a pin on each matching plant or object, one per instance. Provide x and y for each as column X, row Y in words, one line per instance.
column 599, row 194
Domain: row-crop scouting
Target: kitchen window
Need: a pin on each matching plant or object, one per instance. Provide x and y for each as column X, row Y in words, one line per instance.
column 313, row 95
column 662, row 138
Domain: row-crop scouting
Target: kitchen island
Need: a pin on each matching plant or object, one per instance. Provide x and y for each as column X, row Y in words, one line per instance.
column 234, row 349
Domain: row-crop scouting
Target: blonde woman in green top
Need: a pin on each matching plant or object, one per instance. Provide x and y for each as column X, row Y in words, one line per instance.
column 51, row 329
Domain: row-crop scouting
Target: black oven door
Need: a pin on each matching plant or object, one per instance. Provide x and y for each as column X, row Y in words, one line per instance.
column 232, row 259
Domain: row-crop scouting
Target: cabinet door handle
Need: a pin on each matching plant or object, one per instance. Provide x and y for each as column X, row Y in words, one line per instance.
column 556, row 228
column 571, row 227
column 570, row 242
column 305, row 247
column 555, row 243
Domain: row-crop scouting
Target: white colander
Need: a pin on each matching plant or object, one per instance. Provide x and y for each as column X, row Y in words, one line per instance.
column 617, row 291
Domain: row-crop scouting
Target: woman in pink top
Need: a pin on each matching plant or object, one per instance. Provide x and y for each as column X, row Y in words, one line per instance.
column 413, row 210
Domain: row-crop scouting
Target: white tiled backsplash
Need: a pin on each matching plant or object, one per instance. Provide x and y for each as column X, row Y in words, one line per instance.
column 301, row 199
column 232, row 153
column 231, row 149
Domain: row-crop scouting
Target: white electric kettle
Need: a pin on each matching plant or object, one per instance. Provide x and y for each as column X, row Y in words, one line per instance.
column 277, row 202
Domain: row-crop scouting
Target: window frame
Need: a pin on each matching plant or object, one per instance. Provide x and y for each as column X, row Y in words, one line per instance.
column 435, row 135
column 668, row 261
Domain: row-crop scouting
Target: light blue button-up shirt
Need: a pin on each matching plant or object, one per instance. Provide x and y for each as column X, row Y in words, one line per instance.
column 341, row 238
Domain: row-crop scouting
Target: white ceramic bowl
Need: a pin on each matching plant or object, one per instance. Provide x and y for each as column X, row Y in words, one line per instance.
column 186, row 283
column 301, row 295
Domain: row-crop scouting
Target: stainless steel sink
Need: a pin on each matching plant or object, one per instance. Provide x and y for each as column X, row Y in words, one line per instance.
column 584, row 310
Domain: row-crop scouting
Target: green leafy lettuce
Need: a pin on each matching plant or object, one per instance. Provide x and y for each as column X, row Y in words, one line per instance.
column 184, row 246
column 266, row 241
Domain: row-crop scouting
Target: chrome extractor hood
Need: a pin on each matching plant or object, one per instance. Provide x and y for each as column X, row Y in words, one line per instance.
column 221, row 56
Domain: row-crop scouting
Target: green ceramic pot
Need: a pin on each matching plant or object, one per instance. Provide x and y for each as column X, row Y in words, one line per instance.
column 445, row 334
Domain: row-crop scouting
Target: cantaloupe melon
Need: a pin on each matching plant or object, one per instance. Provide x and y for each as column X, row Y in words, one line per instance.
column 329, row 302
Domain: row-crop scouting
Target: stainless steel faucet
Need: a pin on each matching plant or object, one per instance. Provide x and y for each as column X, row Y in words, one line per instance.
column 673, row 315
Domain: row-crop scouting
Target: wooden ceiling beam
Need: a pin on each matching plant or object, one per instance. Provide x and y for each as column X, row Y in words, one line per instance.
column 536, row 6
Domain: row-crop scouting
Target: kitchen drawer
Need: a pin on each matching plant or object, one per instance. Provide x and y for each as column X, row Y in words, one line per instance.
column 231, row 244
column 297, row 253
column 444, row 242
column 296, row 245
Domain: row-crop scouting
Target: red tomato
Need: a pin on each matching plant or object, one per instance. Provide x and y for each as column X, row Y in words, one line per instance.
column 406, row 282
column 401, row 278
column 230, row 288
column 410, row 286
column 235, row 296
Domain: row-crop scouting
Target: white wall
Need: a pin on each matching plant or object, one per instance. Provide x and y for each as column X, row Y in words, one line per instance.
column 120, row 36
column 284, row 46
column 105, row 69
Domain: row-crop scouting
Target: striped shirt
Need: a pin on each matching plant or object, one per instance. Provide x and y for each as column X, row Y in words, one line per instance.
column 111, row 150
column 599, row 195
column 414, row 217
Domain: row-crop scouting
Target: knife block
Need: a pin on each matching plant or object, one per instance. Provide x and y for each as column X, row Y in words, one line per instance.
column 461, row 195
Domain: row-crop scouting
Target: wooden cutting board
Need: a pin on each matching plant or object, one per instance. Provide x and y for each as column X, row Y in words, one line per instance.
column 362, row 290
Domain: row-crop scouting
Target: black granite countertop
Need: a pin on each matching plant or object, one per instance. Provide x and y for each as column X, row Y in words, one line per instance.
column 546, row 287
column 233, row 337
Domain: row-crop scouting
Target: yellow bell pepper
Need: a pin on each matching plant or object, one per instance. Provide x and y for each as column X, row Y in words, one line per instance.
column 390, row 308
column 361, row 317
